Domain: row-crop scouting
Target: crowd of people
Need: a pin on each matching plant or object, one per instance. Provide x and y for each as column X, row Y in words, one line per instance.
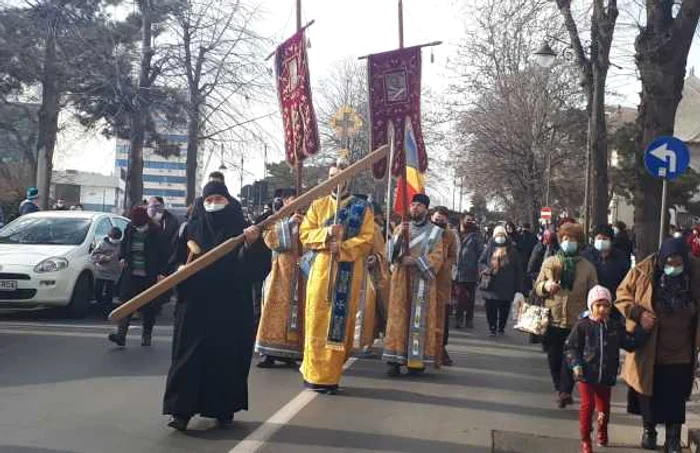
column 313, row 288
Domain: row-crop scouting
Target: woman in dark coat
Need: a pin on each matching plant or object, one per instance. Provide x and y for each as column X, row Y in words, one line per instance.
column 214, row 323
column 662, row 291
column 501, row 266
column 143, row 256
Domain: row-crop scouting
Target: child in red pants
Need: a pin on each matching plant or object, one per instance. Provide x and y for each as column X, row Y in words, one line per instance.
column 593, row 353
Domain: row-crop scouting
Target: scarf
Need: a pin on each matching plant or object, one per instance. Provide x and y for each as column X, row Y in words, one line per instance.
column 568, row 270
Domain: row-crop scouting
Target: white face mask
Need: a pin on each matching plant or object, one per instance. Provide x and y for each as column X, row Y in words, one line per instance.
column 114, row 241
column 157, row 216
column 500, row 240
column 214, row 207
column 602, row 245
column 142, row 229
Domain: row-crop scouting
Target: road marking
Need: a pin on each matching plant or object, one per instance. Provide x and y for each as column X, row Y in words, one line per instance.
column 53, row 333
column 254, row 441
column 72, row 326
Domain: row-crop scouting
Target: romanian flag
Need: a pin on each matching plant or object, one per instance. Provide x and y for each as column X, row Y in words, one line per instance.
column 414, row 178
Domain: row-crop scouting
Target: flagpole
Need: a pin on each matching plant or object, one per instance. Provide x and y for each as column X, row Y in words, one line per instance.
column 300, row 165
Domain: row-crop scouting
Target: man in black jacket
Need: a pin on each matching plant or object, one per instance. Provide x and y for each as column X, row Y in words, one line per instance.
column 610, row 263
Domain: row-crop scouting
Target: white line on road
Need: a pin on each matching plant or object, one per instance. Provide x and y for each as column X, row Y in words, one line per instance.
column 72, row 326
column 254, row 441
column 53, row 333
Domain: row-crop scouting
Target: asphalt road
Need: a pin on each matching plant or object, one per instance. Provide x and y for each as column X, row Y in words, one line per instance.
column 65, row 389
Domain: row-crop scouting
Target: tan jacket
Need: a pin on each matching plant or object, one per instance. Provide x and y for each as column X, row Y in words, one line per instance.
column 634, row 296
column 566, row 306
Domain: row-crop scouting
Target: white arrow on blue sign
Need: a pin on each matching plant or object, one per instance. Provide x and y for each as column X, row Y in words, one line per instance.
column 667, row 157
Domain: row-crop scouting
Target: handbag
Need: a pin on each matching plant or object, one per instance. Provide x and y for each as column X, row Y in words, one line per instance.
column 532, row 319
column 486, row 282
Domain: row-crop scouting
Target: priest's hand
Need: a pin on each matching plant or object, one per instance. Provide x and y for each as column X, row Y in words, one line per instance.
column 297, row 218
column 252, row 233
column 337, row 231
column 405, row 228
column 334, row 246
column 408, row 261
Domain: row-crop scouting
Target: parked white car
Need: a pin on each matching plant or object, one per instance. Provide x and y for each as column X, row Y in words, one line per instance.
column 45, row 259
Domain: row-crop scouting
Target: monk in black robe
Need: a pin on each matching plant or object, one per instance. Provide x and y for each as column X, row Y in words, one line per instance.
column 214, row 324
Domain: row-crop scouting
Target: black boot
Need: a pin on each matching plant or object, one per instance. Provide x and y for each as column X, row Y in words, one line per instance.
column 179, row 423
column 147, row 337
column 119, row 337
column 673, row 439
column 649, row 437
column 394, row 370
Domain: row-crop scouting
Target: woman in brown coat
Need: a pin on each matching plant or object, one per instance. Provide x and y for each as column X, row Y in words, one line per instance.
column 563, row 283
column 661, row 292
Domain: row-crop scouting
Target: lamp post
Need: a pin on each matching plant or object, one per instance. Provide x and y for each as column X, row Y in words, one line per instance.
column 546, row 57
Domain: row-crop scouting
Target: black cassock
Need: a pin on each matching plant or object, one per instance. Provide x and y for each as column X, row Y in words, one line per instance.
column 214, row 325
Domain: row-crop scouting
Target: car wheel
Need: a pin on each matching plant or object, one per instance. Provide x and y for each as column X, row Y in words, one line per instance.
column 80, row 300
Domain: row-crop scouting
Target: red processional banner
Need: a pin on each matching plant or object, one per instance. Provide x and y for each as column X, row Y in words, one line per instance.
column 301, row 138
column 394, row 104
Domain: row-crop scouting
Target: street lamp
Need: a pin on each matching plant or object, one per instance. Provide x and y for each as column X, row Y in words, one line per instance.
column 222, row 167
column 545, row 57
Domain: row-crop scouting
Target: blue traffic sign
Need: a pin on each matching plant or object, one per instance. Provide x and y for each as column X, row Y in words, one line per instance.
column 667, row 157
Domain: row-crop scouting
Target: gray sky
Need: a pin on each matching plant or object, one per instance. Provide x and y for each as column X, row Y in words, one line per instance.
column 348, row 29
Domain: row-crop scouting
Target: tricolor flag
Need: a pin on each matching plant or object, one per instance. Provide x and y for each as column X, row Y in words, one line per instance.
column 414, row 178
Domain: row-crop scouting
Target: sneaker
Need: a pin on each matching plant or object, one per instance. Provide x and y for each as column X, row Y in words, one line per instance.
column 492, row 333
column 119, row 340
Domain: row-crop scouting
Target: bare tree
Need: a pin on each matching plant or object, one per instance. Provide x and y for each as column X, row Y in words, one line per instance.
column 220, row 57
column 594, row 63
column 662, row 48
column 520, row 127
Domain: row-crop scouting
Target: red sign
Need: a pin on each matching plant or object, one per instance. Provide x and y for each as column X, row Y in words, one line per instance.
column 546, row 214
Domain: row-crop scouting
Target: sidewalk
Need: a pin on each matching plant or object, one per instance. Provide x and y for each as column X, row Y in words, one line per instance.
column 497, row 398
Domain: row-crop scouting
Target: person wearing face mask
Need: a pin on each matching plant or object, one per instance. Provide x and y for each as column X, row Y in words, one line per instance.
column 593, row 353
column 105, row 257
column 143, row 257
column 337, row 251
column 610, row 263
column 60, row 205
column 564, row 282
column 414, row 331
column 444, row 276
column 164, row 219
column 501, row 279
column 214, row 327
column 662, row 291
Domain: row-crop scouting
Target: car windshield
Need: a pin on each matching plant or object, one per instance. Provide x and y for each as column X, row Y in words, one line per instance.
column 45, row 231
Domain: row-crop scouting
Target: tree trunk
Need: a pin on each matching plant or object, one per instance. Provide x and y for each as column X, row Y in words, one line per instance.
column 661, row 54
column 139, row 116
column 48, row 119
column 192, row 148
column 599, row 150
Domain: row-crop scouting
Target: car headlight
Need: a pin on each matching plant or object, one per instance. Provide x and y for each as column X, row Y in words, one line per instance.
column 51, row 265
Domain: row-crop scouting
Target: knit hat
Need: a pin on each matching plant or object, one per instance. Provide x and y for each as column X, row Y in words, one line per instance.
column 604, row 230
column 32, row 193
column 139, row 216
column 500, row 230
column 215, row 188
column 598, row 293
column 421, row 198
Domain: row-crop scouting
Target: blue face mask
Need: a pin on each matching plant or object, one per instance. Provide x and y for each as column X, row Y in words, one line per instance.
column 569, row 248
column 673, row 271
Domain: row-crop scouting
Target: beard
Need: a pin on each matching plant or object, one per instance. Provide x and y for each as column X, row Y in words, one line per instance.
column 418, row 218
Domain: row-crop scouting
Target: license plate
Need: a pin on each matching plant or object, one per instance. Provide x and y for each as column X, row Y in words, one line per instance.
column 8, row 285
